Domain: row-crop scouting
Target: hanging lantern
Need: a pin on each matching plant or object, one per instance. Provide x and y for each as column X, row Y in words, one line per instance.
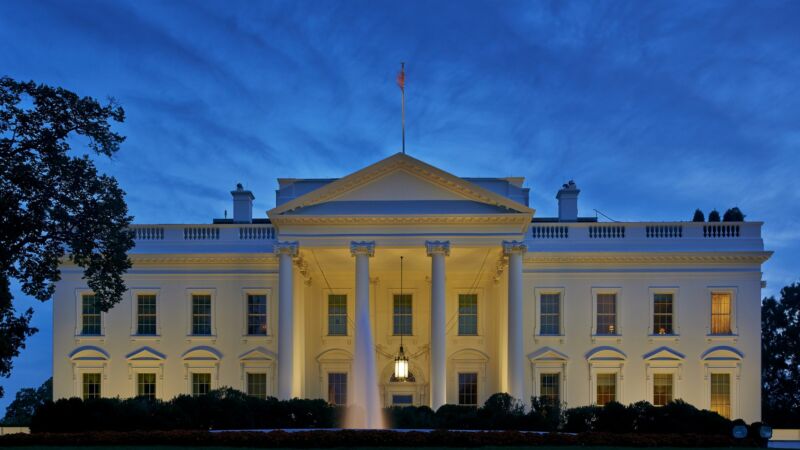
column 401, row 366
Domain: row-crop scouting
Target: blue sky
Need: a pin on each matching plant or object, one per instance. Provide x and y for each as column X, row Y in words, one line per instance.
column 654, row 108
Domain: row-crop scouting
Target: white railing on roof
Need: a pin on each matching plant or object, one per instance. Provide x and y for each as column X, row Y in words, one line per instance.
column 215, row 232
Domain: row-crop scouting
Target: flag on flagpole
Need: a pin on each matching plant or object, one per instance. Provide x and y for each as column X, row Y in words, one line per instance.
column 401, row 78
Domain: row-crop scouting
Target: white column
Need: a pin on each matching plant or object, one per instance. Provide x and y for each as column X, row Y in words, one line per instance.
column 437, row 250
column 286, row 251
column 516, row 350
column 364, row 383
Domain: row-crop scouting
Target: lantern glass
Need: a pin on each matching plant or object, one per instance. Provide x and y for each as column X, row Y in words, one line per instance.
column 401, row 366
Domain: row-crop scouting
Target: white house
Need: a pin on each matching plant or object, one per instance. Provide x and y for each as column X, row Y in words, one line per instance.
column 494, row 299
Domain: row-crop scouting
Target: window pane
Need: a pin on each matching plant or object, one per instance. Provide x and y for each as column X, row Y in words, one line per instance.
column 201, row 314
column 550, row 388
column 257, row 315
column 201, row 383
column 662, row 314
column 662, row 388
column 402, row 399
column 91, row 386
column 146, row 315
column 257, row 385
column 337, row 388
column 90, row 316
column 402, row 315
column 606, row 388
column 721, row 394
column 146, row 385
column 337, row 315
column 468, row 314
column 720, row 313
column 607, row 314
column 468, row 389
column 550, row 314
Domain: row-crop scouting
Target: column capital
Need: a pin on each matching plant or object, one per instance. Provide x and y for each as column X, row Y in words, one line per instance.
column 362, row 248
column 511, row 247
column 437, row 247
column 286, row 248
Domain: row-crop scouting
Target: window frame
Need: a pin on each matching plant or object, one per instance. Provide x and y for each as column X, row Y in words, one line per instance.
column 392, row 313
column 537, row 294
column 477, row 387
column 468, row 340
column 612, row 375
column 618, row 325
column 348, row 314
column 248, row 373
column 79, row 336
column 347, row 393
column 651, row 331
column 134, row 296
column 190, row 293
column 734, row 334
column 82, row 383
column 547, row 360
column 246, row 292
column 197, row 371
column 477, row 314
column 136, row 376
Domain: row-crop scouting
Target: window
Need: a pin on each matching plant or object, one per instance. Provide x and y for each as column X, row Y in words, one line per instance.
column 721, row 313
column 337, row 388
column 607, row 314
column 550, row 388
column 468, row 314
column 550, row 314
column 201, row 383
column 662, row 314
column 91, row 321
column 257, row 315
column 402, row 318
column 337, row 315
column 402, row 399
column 146, row 315
column 606, row 388
column 662, row 388
column 468, row 389
column 257, row 385
column 91, row 386
column 721, row 394
column 146, row 385
column 201, row 315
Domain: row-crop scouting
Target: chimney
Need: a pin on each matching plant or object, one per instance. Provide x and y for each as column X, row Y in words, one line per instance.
column 242, row 205
column 568, row 202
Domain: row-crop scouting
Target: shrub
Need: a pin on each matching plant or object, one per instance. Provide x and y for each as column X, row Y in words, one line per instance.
column 733, row 215
column 698, row 216
column 713, row 216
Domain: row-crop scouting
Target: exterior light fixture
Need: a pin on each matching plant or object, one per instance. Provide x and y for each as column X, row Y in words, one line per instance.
column 401, row 360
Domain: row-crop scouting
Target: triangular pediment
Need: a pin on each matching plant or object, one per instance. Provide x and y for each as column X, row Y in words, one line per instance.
column 547, row 354
column 145, row 354
column 663, row 354
column 397, row 186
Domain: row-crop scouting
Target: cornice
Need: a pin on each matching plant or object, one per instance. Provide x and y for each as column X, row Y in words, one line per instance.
column 533, row 257
column 205, row 258
column 520, row 219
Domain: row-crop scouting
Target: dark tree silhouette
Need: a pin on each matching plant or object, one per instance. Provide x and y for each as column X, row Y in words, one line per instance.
column 780, row 358
column 20, row 411
column 713, row 216
column 698, row 216
column 733, row 215
column 54, row 205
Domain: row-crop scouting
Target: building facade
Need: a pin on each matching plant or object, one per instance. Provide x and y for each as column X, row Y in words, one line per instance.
column 493, row 299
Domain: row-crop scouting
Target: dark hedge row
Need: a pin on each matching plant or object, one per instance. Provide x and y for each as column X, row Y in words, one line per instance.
column 363, row 438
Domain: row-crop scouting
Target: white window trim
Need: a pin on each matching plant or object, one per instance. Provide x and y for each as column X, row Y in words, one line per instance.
column 79, row 293
column 661, row 367
column 537, row 332
column 676, row 330
column 201, row 337
column 190, row 369
column 467, row 361
column 470, row 339
column 135, row 370
column 341, row 367
column 619, row 328
column 734, row 336
column 734, row 368
column 550, row 367
column 247, row 291
column 415, row 300
column 351, row 308
column 253, row 367
column 85, row 367
column 134, row 295
column 598, row 367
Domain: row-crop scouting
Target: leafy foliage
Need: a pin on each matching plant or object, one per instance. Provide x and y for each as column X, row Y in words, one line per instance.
column 21, row 410
column 733, row 215
column 698, row 216
column 53, row 204
column 713, row 216
column 780, row 358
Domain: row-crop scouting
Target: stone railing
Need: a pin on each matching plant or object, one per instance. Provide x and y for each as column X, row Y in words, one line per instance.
column 216, row 232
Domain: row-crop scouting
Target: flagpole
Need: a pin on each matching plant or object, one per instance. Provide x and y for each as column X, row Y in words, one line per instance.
column 403, row 102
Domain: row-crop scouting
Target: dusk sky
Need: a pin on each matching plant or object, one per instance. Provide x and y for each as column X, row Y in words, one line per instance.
column 653, row 108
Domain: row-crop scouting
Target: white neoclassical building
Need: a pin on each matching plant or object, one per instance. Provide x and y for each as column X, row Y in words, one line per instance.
column 494, row 299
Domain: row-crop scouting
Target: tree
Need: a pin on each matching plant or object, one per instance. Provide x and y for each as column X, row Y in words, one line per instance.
column 780, row 358
column 698, row 216
column 733, row 215
column 20, row 411
column 54, row 205
column 713, row 216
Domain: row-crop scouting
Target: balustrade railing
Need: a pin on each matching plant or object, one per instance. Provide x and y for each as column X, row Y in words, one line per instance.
column 216, row 232
column 607, row 231
column 550, row 232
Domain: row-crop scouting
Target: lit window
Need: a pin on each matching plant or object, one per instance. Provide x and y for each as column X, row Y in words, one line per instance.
column 402, row 399
column 257, row 385
column 550, row 314
column 662, row 388
column 468, row 389
column 90, row 316
column 337, row 315
column 201, row 383
column 549, row 388
column 337, row 388
column 146, row 385
column 607, row 314
column 146, row 314
column 91, row 386
column 201, row 315
column 606, row 388
column 662, row 314
column 468, row 315
column 257, row 315
column 720, row 313
column 402, row 316
column 721, row 394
